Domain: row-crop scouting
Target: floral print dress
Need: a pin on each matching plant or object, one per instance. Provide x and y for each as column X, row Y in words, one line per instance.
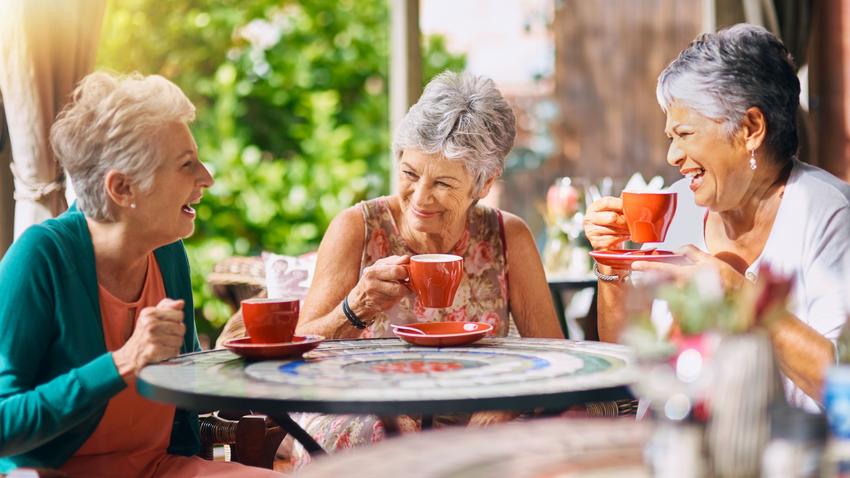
column 481, row 297
column 483, row 292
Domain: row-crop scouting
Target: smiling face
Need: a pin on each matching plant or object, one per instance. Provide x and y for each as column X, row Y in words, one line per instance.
column 703, row 152
column 435, row 193
column 178, row 182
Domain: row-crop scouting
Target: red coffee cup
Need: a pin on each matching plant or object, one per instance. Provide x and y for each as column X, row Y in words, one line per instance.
column 649, row 214
column 435, row 278
column 270, row 321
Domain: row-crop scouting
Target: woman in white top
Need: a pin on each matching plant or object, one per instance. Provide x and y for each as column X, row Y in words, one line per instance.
column 731, row 100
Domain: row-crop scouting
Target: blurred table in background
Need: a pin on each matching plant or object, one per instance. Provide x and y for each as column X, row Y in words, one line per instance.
column 565, row 291
column 553, row 447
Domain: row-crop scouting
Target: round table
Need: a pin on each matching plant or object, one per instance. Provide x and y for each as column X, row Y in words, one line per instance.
column 388, row 377
column 543, row 448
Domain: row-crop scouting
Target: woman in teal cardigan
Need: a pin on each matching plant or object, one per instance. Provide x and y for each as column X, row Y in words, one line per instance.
column 89, row 298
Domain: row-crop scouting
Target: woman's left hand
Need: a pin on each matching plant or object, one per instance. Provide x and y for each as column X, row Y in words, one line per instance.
column 730, row 278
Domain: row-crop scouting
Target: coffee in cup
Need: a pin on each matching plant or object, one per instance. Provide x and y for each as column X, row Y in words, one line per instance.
column 435, row 278
column 649, row 214
column 270, row 321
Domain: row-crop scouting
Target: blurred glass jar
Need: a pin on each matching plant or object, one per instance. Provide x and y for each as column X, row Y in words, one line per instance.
column 796, row 443
column 562, row 254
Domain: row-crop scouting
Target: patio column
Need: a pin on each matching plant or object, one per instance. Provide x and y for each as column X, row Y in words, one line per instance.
column 830, row 86
column 46, row 47
column 405, row 65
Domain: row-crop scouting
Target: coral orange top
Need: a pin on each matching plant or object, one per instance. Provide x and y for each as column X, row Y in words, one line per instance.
column 134, row 432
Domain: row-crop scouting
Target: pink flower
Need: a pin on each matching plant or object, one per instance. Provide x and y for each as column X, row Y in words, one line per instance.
column 503, row 284
column 377, row 431
column 378, row 245
column 491, row 318
column 457, row 315
column 462, row 244
column 481, row 258
column 343, row 441
column 774, row 288
column 562, row 199
column 418, row 309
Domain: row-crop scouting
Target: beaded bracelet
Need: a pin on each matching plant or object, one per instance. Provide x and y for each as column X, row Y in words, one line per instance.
column 351, row 316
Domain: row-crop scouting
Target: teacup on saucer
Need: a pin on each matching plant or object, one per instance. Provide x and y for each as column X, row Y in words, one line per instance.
column 444, row 334
column 267, row 351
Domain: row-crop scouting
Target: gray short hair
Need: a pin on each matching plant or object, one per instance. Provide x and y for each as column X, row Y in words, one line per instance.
column 464, row 117
column 111, row 123
column 721, row 75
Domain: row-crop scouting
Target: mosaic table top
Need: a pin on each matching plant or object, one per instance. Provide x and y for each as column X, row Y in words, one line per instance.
column 390, row 376
column 547, row 448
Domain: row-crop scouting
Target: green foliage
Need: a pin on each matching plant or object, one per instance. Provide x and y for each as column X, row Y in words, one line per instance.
column 292, row 115
column 696, row 312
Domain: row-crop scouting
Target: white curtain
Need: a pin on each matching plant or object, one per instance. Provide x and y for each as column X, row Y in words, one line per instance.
column 7, row 204
column 46, row 47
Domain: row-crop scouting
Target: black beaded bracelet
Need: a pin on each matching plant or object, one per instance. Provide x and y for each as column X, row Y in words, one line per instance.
column 351, row 316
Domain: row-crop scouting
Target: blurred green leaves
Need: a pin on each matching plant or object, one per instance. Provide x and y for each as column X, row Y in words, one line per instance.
column 292, row 113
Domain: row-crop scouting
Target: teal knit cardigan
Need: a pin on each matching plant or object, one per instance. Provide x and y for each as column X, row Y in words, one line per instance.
column 56, row 375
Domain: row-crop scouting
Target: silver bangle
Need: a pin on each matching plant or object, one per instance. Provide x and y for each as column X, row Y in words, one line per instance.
column 609, row 277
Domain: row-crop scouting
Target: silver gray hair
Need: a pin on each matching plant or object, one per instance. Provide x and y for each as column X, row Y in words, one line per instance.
column 460, row 117
column 721, row 75
column 111, row 123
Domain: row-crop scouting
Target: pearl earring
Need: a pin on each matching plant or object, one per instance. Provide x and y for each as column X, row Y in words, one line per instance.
column 133, row 205
column 753, row 164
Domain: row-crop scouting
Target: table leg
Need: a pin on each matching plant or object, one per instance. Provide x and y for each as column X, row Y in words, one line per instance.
column 288, row 424
column 391, row 428
column 427, row 422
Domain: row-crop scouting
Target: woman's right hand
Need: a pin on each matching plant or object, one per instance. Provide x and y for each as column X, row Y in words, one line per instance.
column 604, row 223
column 158, row 336
column 380, row 286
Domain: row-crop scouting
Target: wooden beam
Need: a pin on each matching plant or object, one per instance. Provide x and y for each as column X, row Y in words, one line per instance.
column 829, row 86
column 405, row 66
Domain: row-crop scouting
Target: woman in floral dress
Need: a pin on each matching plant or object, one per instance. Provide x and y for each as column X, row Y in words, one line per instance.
column 450, row 148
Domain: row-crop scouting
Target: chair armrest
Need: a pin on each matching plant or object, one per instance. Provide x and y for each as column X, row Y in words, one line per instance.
column 253, row 439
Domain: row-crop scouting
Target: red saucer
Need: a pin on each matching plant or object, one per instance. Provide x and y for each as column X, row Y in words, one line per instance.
column 622, row 258
column 445, row 334
column 298, row 346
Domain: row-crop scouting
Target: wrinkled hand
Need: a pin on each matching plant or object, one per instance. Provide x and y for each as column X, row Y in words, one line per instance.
column 604, row 223
column 730, row 278
column 485, row 419
column 158, row 336
column 380, row 287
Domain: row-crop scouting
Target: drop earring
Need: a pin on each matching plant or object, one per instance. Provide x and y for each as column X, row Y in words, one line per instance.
column 753, row 164
column 133, row 205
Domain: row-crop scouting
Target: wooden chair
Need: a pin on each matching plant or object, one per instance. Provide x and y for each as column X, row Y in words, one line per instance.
column 237, row 278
